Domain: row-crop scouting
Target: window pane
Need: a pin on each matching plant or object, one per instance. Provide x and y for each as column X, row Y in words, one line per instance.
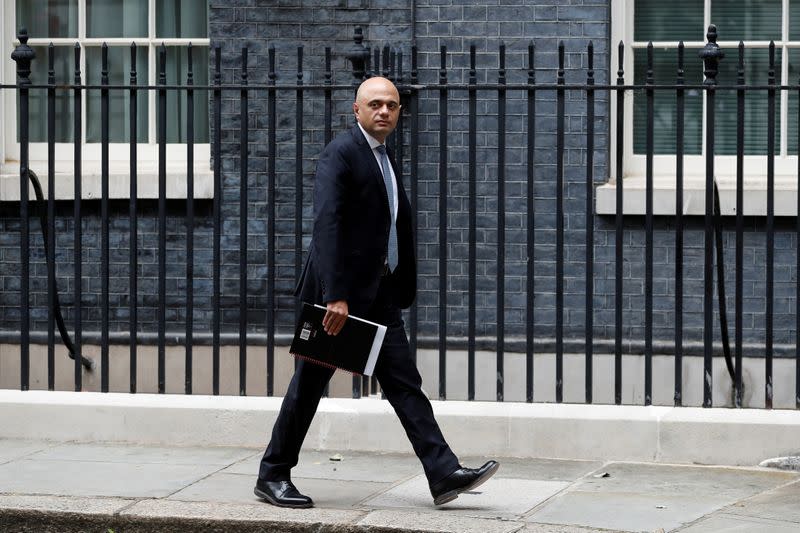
column 675, row 20
column 48, row 18
column 665, row 69
column 187, row 19
column 177, row 69
column 756, row 62
column 119, row 67
column 743, row 20
column 116, row 18
column 794, row 20
column 64, row 72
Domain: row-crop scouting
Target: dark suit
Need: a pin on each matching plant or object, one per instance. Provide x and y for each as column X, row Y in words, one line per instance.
column 346, row 261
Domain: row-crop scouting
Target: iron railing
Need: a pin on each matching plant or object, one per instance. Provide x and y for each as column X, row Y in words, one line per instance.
column 406, row 141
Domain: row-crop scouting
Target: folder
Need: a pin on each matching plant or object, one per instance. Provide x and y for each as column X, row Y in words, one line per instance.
column 355, row 349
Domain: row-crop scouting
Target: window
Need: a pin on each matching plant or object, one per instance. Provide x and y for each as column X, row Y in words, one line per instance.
column 148, row 24
column 756, row 23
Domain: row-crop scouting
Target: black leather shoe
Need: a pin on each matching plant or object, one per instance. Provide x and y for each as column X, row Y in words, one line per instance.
column 461, row 480
column 282, row 494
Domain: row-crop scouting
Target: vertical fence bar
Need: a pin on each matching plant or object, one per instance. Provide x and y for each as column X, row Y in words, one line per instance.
column 216, row 312
column 501, row 221
column 619, row 232
column 413, row 176
column 770, row 227
column 361, row 71
column 78, row 248
column 648, row 288
column 359, row 76
column 243, row 192
column 472, row 231
column 399, row 135
column 739, row 298
column 399, row 142
column 589, row 224
column 560, row 95
column 298, row 178
column 23, row 55
column 679, row 134
column 104, row 362
column 133, row 257
column 443, row 224
column 271, row 154
column 531, row 233
column 162, row 217
column 328, row 93
column 797, row 298
column 189, row 222
column 51, row 216
column 711, row 55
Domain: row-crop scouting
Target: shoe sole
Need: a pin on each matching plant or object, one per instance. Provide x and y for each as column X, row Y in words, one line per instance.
column 453, row 494
column 265, row 496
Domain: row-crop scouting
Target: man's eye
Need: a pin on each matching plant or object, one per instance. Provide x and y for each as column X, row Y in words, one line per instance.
column 392, row 106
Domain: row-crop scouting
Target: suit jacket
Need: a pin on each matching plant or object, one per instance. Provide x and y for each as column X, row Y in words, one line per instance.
column 351, row 230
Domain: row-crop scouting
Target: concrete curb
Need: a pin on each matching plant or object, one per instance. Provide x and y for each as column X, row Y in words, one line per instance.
column 565, row 431
column 59, row 514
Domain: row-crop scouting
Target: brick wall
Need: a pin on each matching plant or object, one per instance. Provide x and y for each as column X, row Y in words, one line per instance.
column 314, row 24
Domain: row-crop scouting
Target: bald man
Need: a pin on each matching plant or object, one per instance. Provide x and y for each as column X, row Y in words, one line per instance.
column 362, row 261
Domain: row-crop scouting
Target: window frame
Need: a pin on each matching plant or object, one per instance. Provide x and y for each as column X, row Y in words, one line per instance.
column 634, row 165
column 119, row 153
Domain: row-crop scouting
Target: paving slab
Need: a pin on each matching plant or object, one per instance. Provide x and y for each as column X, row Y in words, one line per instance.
column 382, row 468
column 540, row 469
column 238, row 488
column 725, row 523
column 724, row 482
column 625, row 511
column 497, row 498
column 138, row 454
column 639, row 496
column 11, row 449
column 97, row 478
column 782, row 503
column 172, row 509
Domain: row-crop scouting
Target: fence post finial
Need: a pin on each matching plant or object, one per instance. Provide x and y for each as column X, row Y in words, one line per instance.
column 23, row 55
column 711, row 54
column 357, row 54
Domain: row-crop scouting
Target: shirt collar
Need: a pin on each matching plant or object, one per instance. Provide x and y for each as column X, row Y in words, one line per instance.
column 373, row 142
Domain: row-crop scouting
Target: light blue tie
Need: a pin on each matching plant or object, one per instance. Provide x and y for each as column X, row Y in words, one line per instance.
column 387, row 181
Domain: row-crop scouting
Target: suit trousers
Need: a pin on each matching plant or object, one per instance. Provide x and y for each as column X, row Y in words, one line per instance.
column 401, row 384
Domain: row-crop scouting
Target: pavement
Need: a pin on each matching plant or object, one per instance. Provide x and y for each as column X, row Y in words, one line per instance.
column 66, row 486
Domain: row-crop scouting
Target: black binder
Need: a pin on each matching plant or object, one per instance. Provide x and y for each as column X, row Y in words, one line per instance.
column 355, row 349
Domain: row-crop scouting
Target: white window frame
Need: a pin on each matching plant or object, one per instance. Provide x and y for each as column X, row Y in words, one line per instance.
column 634, row 165
column 119, row 153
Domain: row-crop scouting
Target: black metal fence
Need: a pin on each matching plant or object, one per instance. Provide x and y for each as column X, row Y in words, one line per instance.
column 406, row 143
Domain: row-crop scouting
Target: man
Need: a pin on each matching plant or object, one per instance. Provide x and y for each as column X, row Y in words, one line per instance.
column 362, row 261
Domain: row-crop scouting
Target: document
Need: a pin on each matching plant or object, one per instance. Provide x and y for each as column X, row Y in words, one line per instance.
column 355, row 349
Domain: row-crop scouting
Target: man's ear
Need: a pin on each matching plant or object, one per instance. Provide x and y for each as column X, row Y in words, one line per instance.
column 355, row 108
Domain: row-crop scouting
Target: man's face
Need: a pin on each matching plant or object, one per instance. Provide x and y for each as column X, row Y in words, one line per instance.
column 377, row 107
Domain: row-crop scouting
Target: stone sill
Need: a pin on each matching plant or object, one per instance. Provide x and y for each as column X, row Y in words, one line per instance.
column 119, row 181
column 755, row 196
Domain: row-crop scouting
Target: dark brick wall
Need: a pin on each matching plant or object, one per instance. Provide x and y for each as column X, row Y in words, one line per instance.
column 286, row 24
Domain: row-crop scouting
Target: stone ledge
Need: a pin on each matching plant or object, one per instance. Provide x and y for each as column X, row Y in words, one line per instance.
column 564, row 431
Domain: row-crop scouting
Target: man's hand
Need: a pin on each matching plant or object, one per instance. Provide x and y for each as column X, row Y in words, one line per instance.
column 335, row 317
